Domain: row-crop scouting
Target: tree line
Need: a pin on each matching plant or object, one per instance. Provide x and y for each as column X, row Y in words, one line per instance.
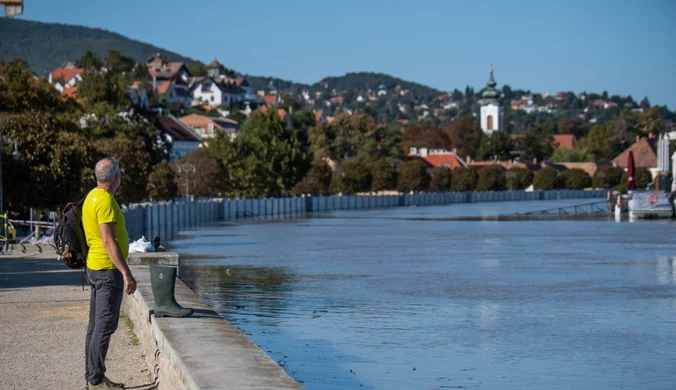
column 60, row 139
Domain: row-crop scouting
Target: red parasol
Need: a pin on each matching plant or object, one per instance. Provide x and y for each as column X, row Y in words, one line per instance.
column 631, row 185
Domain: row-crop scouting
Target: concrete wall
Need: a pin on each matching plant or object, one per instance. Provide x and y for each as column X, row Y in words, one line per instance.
column 202, row 351
column 167, row 219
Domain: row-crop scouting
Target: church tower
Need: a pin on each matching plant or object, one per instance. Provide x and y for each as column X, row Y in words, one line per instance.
column 491, row 111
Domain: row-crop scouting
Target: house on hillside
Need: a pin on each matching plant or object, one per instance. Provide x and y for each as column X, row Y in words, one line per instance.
column 207, row 127
column 645, row 154
column 160, row 68
column 565, row 141
column 183, row 139
column 433, row 158
column 174, row 91
column 138, row 95
column 218, row 92
column 61, row 78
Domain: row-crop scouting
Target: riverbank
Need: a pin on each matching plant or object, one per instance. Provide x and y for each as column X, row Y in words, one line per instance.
column 44, row 315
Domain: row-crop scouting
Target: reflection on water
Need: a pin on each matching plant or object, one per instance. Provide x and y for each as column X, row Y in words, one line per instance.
column 388, row 303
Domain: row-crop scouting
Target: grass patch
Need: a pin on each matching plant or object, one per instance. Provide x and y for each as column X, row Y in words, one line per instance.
column 130, row 325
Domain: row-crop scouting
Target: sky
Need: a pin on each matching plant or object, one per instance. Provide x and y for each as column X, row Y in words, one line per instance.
column 623, row 47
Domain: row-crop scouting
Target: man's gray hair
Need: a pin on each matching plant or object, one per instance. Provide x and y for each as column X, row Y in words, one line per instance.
column 105, row 170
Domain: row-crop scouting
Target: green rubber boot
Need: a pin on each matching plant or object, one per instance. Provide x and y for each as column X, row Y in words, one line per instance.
column 163, row 283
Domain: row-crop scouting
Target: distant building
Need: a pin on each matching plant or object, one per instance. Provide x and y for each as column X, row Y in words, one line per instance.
column 183, row 139
column 491, row 110
column 207, row 127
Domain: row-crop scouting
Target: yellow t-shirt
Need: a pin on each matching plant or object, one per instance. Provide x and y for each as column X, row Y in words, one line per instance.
column 100, row 207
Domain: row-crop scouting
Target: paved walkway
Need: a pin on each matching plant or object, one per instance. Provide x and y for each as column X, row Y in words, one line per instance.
column 43, row 320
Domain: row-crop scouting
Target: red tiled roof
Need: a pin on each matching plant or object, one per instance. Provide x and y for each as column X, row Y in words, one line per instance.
column 270, row 99
column 177, row 129
column 214, row 64
column 438, row 160
column 644, row 155
column 198, row 121
column 65, row 74
column 318, row 115
column 566, row 141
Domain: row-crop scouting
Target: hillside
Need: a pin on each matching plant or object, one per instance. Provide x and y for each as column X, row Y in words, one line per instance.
column 374, row 82
column 47, row 45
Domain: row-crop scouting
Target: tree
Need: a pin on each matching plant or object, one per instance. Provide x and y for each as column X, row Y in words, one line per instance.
column 317, row 181
column 642, row 177
column 350, row 136
column 134, row 165
column 607, row 177
column 52, row 169
column 356, row 176
column 570, row 155
column 533, row 146
column 463, row 179
column 545, row 179
column 162, row 182
column 518, row 178
column 495, row 147
column 19, row 92
column 440, row 179
column 265, row 159
column 383, row 175
column 210, row 177
column 465, row 135
column 197, row 69
column 425, row 136
column 302, row 121
column 412, row 176
column 491, row 178
column 601, row 144
column 575, row 179
column 570, row 125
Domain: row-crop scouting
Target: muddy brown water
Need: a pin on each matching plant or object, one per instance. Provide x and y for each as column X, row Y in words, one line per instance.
column 403, row 299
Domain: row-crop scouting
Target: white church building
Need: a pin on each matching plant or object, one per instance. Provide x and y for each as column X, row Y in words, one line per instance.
column 491, row 110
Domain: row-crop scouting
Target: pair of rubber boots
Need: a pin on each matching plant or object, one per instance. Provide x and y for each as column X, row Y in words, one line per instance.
column 163, row 283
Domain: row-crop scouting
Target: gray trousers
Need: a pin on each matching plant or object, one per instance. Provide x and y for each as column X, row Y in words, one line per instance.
column 107, row 288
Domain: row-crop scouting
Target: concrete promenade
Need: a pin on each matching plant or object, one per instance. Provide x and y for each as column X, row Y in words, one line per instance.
column 43, row 321
column 203, row 351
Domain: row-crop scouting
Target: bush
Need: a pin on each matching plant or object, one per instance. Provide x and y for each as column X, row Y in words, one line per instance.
column 356, row 176
column 162, row 182
column 490, row 178
column 464, row 179
column 518, row 178
column 642, row 177
column 383, row 175
column 441, row 179
column 575, row 179
column 412, row 176
column 607, row 177
column 545, row 179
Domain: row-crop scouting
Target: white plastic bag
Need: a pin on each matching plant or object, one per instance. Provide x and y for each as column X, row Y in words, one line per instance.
column 141, row 246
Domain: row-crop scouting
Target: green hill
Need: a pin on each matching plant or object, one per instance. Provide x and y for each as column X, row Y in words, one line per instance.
column 47, row 45
column 374, row 81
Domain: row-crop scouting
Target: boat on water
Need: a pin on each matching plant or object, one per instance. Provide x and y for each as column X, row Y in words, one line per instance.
column 649, row 205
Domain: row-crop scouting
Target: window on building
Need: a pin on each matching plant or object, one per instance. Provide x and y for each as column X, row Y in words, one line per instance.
column 489, row 122
column 212, row 98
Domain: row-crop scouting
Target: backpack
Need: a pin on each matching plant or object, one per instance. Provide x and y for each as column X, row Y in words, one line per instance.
column 69, row 238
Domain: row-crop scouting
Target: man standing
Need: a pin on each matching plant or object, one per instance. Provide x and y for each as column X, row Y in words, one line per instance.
column 107, row 270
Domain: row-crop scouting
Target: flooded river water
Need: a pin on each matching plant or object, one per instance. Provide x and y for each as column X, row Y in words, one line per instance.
column 402, row 299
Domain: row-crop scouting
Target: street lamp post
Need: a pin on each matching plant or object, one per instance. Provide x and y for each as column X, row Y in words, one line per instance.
column 187, row 168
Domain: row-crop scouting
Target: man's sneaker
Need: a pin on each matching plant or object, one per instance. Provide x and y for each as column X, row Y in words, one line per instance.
column 107, row 384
